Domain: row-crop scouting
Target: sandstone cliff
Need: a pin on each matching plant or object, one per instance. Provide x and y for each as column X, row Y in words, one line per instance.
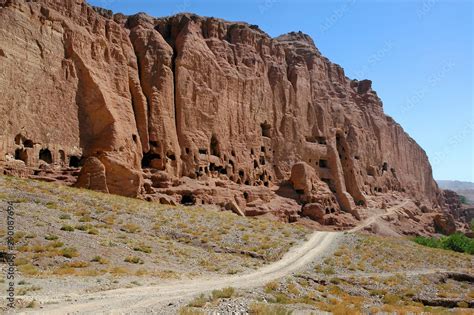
column 187, row 96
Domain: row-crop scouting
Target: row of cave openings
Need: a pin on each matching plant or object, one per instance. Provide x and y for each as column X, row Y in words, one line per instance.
column 261, row 176
column 23, row 153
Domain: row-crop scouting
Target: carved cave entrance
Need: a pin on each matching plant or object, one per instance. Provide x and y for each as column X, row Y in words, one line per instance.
column 45, row 155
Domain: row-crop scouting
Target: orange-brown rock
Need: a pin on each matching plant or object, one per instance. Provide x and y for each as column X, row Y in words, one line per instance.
column 199, row 98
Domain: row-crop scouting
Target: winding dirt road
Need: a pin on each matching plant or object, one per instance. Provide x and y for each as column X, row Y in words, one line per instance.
column 142, row 299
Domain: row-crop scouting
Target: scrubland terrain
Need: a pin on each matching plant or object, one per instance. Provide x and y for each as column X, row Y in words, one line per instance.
column 75, row 244
column 365, row 274
column 73, row 237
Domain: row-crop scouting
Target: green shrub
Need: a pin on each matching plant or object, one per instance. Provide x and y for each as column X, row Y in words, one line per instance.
column 457, row 242
column 427, row 241
column 67, row 228
column 50, row 237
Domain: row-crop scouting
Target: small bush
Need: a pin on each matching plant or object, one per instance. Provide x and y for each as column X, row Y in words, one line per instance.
column 28, row 269
column 32, row 304
column 67, row 228
column 271, row 286
column 100, row 260
column 134, row 260
column 65, row 217
column 56, row 244
column 130, row 228
column 69, row 252
column 50, row 237
column 93, row 231
column 78, row 264
column 199, row 301
column 142, row 248
column 223, row 294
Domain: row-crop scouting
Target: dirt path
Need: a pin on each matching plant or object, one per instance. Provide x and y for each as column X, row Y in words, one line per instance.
column 143, row 299
column 371, row 220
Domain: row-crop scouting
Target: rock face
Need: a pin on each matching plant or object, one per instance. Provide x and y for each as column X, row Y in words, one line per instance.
column 195, row 97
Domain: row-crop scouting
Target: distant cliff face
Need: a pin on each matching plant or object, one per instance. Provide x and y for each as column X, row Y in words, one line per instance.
column 196, row 97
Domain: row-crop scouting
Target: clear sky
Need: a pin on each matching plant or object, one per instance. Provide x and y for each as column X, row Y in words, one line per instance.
column 419, row 55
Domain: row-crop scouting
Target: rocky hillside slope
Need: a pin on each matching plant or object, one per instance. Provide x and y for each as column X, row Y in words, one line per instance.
column 465, row 189
column 140, row 103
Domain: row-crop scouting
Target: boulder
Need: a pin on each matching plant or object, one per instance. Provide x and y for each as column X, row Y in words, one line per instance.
column 444, row 223
column 92, row 175
column 314, row 211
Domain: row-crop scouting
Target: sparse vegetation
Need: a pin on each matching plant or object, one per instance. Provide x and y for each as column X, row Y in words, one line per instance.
column 69, row 252
column 65, row 222
column 223, row 294
column 67, row 228
column 268, row 309
column 199, row 301
column 134, row 260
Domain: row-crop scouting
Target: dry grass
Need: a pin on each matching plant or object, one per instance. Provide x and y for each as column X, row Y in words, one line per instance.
column 56, row 222
column 366, row 275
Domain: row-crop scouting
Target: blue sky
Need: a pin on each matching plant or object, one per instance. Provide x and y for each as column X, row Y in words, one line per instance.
column 419, row 55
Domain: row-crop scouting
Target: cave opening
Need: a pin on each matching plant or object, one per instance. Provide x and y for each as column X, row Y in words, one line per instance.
column 171, row 156
column 266, row 129
column 188, row 200
column 74, row 161
column 21, row 155
column 321, row 140
column 215, row 146
column 45, row 155
column 323, row 163
column 148, row 158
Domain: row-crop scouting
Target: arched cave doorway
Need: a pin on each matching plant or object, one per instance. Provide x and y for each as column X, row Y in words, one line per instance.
column 46, row 156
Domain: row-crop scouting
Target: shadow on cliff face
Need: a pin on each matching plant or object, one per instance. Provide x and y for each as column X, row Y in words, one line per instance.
column 95, row 120
column 286, row 190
